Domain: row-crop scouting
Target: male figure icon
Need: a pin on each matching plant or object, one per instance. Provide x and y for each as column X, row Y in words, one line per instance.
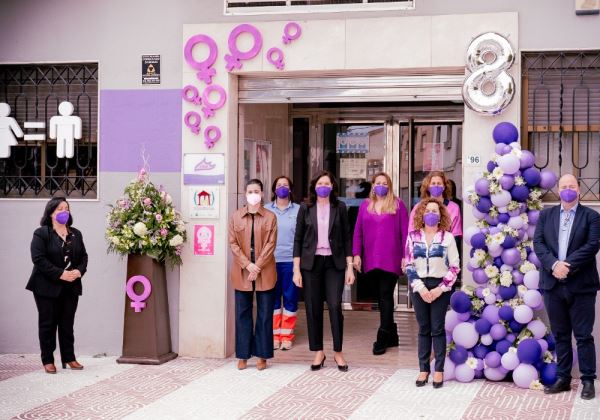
column 65, row 129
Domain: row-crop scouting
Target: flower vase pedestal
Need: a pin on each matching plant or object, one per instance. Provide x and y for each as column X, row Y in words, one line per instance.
column 147, row 334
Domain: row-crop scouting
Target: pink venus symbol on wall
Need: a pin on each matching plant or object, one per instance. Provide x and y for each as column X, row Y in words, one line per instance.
column 137, row 301
column 205, row 71
column 235, row 56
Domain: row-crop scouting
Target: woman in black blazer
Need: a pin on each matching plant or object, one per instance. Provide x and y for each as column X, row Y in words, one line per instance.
column 59, row 261
column 322, row 263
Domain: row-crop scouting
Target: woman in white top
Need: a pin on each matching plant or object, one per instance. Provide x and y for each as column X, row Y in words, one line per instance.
column 432, row 264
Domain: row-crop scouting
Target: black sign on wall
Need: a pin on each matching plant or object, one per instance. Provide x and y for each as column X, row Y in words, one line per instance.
column 150, row 69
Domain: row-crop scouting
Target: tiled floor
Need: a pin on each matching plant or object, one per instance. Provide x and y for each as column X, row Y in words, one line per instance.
column 185, row 388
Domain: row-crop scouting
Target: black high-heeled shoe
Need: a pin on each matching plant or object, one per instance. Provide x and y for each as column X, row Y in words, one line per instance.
column 422, row 382
column 438, row 384
column 341, row 368
column 320, row 365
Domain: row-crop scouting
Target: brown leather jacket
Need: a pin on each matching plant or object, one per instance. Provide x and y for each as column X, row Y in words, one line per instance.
column 265, row 238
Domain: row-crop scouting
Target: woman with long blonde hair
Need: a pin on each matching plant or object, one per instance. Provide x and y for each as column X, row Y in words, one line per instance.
column 378, row 247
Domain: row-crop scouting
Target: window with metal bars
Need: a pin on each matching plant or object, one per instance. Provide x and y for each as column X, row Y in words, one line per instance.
column 34, row 92
column 561, row 115
column 240, row 7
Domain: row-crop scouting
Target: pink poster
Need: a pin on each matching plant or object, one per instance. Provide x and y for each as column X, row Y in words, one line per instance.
column 204, row 240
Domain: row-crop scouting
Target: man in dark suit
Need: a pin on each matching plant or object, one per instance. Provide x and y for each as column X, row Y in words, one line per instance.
column 567, row 238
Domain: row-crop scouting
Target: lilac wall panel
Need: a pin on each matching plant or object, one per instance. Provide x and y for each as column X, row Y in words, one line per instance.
column 132, row 118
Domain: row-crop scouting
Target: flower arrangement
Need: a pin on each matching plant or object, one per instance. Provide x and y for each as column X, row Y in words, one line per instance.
column 145, row 222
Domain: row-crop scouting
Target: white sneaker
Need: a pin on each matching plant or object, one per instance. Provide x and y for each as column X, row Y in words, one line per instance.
column 286, row 345
column 276, row 344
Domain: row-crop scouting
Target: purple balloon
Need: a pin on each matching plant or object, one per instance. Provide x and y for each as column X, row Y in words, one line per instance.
column 509, row 241
column 484, row 204
column 500, row 149
column 533, row 259
column 523, row 314
column 529, row 351
column 532, row 177
column 492, row 359
column 506, row 149
column 490, row 313
column 515, row 212
column 464, row 334
column 490, row 299
column 479, row 276
column 502, row 346
column 547, row 179
column 492, row 221
column 479, row 292
column 533, row 216
column 509, row 360
column 458, row 355
column 482, row 187
column 549, row 374
column 515, row 326
column 524, row 375
column 506, row 313
column 537, row 327
column 477, row 214
column 494, row 374
column 460, row 302
column 478, row 241
column 527, row 159
column 464, row 317
column 491, row 165
column 511, row 337
column 452, row 320
column 507, row 182
column 509, row 292
column 533, row 299
column 498, row 332
column 463, row 373
column 505, row 132
column 520, row 193
column 511, row 256
column 482, row 326
column 503, row 218
column 517, row 277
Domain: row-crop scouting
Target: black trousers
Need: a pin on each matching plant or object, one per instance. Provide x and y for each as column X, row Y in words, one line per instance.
column 572, row 314
column 386, row 282
column 57, row 314
column 431, row 318
column 323, row 282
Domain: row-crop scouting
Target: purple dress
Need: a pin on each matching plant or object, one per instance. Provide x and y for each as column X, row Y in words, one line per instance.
column 380, row 239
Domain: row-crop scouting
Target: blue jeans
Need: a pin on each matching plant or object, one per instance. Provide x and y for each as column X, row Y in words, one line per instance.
column 254, row 339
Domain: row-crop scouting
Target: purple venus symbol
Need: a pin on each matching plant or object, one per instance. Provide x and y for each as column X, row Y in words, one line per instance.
column 137, row 301
column 205, row 71
column 235, row 56
column 288, row 35
column 275, row 57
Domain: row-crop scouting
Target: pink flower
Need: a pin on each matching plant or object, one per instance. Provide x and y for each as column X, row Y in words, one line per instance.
column 142, row 174
column 158, row 217
column 147, row 202
column 164, row 232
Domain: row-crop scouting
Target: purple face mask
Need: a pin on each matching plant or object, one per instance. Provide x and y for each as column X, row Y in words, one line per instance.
column 62, row 217
column 380, row 190
column 431, row 219
column 323, row 191
column 568, row 195
column 282, row 192
column 436, row 190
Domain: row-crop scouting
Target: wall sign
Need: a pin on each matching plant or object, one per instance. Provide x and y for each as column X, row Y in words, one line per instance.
column 204, row 202
column 204, row 169
column 151, row 69
column 65, row 128
column 235, row 56
column 204, row 240
column 9, row 130
column 473, row 160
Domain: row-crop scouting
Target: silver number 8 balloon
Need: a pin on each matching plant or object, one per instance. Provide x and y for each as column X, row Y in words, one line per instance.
column 489, row 88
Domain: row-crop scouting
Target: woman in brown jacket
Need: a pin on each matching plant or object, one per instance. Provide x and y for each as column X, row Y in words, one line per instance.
column 252, row 239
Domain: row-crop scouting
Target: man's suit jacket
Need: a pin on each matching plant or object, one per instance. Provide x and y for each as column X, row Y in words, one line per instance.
column 305, row 239
column 583, row 245
column 48, row 262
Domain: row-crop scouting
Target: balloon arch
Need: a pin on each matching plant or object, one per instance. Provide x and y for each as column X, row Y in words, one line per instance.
column 491, row 329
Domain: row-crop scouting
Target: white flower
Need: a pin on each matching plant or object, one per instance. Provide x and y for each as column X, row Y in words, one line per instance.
column 176, row 240
column 467, row 289
column 115, row 240
column 477, row 304
column 491, row 271
column 512, row 349
column 525, row 217
column 506, row 278
column 526, row 267
column 548, row 357
column 497, row 172
column 522, row 288
column 471, row 362
column 180, row 227
column 518, row 153
column 495, row 188
column 519, row 180
column 486, row 292
column 536, row 385
column 140, row 229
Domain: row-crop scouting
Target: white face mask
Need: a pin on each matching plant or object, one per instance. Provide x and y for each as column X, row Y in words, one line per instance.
column 253, row 199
